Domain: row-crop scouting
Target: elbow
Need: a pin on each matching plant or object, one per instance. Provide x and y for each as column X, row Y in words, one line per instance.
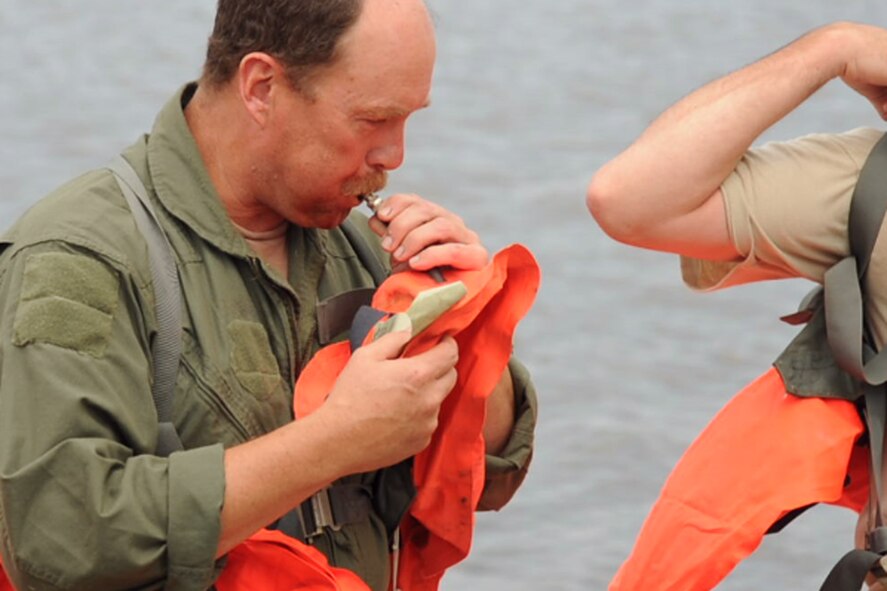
column 610, row 209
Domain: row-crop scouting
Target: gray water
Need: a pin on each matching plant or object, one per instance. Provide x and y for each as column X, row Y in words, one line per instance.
column 530, row 98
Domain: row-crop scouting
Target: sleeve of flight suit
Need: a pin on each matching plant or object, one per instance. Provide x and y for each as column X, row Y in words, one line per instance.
column 83, row 502
column 506, row 472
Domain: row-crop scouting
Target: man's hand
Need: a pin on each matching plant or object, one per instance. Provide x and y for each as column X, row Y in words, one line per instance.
column 384, row 407
column 423, row 235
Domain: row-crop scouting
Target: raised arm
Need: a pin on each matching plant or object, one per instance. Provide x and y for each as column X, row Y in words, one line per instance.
column 663, row 192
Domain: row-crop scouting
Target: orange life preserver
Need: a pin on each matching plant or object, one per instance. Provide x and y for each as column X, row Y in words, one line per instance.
column 273, row 561
column 774, row 453
column 449, row 473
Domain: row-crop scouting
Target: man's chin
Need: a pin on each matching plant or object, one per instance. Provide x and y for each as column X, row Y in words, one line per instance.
column 331, row 220
column 324, row 218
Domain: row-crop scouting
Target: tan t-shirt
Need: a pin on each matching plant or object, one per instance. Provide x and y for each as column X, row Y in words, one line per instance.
column 787, row 206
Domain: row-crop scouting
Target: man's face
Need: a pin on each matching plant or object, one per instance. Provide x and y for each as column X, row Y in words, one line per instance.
column 338, row 140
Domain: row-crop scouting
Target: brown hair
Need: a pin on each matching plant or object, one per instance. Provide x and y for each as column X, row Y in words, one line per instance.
column 301, row 34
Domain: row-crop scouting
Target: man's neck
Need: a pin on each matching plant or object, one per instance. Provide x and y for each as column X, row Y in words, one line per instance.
column 217, row 125
column 221, row 132
column 270, row 245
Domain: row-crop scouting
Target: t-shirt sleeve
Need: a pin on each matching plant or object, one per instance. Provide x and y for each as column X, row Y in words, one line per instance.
column 787, row 205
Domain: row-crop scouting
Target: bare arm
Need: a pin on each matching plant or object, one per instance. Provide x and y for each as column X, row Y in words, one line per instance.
column 663, row 191
column 500, row 414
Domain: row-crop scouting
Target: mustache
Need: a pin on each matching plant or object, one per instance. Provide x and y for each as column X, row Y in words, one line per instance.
column 370, row 183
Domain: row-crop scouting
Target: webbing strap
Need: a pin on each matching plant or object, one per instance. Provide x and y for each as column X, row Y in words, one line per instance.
column 875, row 411
column 167, row 346
column 845, row 321
column 853, row 352
column 850, row 572
column 364, row 252
column 331, row 507
column 843, row 282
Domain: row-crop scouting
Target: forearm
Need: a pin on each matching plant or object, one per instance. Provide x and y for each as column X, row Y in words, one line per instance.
column 506, row 470
column 500, row 414
column 268, row 476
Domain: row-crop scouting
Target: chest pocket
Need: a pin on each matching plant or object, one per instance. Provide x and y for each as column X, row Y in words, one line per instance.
column 232, row 386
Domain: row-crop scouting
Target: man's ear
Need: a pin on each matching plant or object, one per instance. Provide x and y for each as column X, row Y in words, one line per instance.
column 256, row 76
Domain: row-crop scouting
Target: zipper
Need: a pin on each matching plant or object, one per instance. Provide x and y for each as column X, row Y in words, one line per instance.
column 217, row 401
column 395, row 559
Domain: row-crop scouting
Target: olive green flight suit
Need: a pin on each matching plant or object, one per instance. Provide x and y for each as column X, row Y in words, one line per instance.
column 83, row 502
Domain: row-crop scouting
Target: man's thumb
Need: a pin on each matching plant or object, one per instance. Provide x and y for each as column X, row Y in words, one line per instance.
column 391, row 344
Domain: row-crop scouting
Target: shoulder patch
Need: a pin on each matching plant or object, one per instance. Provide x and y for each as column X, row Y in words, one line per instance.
column 252, row 359
column 67, row 300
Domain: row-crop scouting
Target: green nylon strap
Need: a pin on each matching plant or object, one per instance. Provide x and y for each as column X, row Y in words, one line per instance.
column 167, row 346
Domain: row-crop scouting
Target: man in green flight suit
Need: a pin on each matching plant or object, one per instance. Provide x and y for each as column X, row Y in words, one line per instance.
column 300, row 109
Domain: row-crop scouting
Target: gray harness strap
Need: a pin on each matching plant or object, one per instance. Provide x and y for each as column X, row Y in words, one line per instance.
column 853, row 351
column 845, row 323
column 167, row 346
column 843, row 282
column 367, row 255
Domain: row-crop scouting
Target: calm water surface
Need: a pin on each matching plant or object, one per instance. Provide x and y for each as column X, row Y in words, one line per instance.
column 530, row 98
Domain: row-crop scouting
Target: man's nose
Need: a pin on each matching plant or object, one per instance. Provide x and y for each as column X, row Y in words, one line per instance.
column 389, row 153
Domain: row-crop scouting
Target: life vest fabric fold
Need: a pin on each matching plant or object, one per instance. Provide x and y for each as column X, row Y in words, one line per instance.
column 765, row 454
column 272, row 561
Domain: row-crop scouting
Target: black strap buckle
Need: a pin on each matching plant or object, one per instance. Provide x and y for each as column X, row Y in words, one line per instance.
column 316, row 513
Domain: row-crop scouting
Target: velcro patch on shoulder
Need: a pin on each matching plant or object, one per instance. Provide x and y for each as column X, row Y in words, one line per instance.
column 67, row 300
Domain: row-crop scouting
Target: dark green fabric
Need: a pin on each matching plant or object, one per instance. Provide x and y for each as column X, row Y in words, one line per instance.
column 808, row 367
column 83, row 503
column 67, row 301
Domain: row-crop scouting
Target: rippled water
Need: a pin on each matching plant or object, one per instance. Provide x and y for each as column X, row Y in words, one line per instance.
column 530, row 98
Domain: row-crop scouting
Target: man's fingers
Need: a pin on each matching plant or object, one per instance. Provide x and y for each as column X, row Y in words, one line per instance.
column 459, row 256
column 439, row 359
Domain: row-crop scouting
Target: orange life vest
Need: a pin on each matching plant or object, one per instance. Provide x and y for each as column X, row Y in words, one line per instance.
column 449, row 473
column 271, row 560
column 775, row 453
